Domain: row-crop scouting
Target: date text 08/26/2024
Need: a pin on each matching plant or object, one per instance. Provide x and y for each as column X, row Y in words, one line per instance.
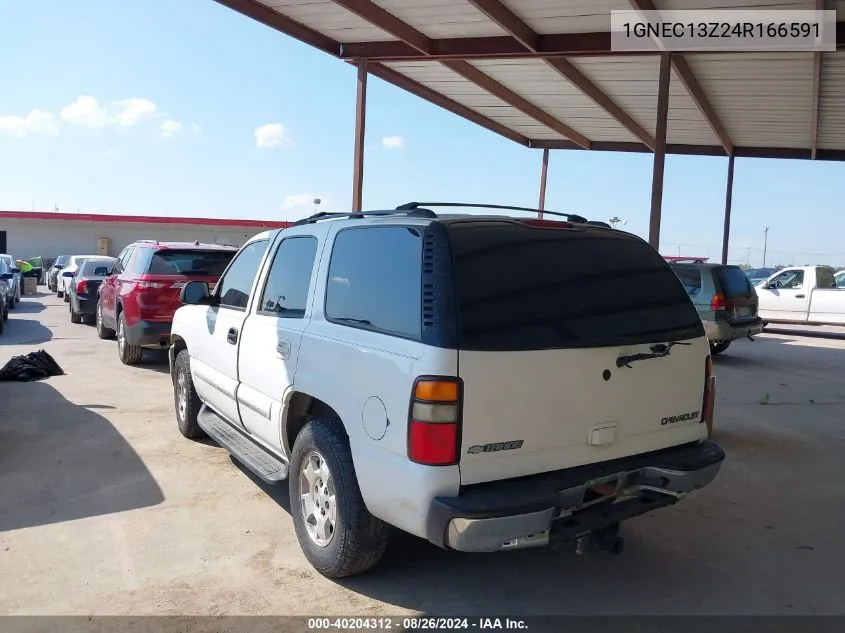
column 422, row 623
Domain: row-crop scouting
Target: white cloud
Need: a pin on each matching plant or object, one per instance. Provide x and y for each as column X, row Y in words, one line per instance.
column 298, row 205
column 393, row 142
column 86, row 111
column 36, row 122
column 129, row 112
column 170, row 128
column 272, row 135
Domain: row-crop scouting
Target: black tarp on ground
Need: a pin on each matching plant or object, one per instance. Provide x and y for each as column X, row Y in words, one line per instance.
column 32, row 366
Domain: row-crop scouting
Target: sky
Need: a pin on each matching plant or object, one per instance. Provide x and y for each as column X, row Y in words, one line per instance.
column 183, row 107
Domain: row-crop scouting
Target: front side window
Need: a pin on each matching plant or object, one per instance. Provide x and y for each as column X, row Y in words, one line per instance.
column 375, row 278
column 286, row 292
column 234, row 288
column 789, row 280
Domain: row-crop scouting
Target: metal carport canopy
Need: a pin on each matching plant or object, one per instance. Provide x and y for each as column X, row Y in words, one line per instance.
column 542, row 74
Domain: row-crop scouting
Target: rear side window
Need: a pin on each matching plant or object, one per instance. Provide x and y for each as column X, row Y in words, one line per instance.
column 375, row 278
column 96, row 268
column 825, row 278
column 734, row 282
column 209, row 263
column 690, row 278
column 524, row 288
column 286, row 292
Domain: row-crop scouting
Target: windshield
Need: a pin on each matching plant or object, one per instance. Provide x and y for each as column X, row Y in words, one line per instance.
column 525, row 288
column 61, row 260
column 187, row 262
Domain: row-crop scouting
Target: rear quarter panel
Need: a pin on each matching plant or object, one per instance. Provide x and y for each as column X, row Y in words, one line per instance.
column 827, row 305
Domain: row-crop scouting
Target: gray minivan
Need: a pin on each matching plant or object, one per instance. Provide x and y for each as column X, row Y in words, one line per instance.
column 725, row 300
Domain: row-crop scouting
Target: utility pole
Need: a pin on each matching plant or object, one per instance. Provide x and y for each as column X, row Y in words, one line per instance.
column 765, row 244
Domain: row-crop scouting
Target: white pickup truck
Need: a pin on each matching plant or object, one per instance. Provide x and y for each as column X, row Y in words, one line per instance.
column 803, row 294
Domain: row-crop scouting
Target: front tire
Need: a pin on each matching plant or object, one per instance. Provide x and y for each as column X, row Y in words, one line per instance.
column 102, row 331
column 128, row 354
column 336, row 532
column 185, row 398
column 718, row 348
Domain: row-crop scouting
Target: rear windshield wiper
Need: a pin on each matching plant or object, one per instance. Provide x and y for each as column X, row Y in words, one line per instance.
column 660, row 350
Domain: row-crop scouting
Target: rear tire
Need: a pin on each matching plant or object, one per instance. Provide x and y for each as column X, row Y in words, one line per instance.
column 356, row 539
column 74, row 317
column 3, row 318
column 102, row 331
column 185, row 398
column 10, row 305
column 128, row 354
column 59, row 293
column 718, row 348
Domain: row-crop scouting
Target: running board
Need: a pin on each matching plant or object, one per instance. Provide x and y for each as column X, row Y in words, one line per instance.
column 268, row 467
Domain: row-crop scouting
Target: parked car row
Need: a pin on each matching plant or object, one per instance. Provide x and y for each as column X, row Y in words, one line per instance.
column 7, row 293
column 133, row 296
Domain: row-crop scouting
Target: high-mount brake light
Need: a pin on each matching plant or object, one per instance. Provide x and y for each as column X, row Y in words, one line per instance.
column 548, row 224
column 434, row 422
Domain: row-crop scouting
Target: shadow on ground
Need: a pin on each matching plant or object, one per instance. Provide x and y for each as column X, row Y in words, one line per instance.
column 25, row 331
column 60, row 461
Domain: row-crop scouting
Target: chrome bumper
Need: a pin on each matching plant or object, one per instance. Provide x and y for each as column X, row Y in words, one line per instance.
column 536, row 529
column 719, row 331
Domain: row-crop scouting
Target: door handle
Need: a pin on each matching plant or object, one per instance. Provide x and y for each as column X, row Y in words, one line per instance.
column 232, row 336
column 283, row 349
column 800, row 296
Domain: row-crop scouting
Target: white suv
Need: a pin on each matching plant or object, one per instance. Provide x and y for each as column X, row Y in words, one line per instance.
column 484, row 382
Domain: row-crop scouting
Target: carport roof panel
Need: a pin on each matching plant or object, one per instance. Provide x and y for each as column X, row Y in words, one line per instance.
column 541, row 73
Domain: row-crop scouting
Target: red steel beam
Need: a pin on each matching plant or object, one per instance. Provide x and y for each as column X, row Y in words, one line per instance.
column 693, row 87
column 386, row 21
column 525, row 35
column 543, row 173
column 432, row 96
column 275, row 20
column 360, row 124
column 660, row 149
column 729, row 194
column 471, row 73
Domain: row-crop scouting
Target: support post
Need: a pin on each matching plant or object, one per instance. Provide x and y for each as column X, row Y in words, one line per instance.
column 729, row 194
column 659, row 149
column 360, row 120
column 543, row 171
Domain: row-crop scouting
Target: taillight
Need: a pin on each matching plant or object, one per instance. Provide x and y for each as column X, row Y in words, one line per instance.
column 81, row 287
column 434, row 424
column 718, row 302
column 708, row 405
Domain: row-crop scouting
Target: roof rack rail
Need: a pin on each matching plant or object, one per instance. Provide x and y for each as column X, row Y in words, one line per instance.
column 325, row 215
column 572, row 217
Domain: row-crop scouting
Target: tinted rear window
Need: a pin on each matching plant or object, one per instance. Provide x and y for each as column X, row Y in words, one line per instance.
column 184, row 262
column 533, row 288
column 93, row 268
column 735, row 282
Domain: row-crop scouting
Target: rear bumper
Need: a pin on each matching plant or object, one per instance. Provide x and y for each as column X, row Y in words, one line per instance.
column 84, row 305
column 536, row 510
column 149, row 334
column 718, row 331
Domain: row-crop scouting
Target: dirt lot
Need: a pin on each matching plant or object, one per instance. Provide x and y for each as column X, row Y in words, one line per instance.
column 106, row 509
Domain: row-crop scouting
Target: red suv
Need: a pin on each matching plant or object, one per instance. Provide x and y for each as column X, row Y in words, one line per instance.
column 139, row 297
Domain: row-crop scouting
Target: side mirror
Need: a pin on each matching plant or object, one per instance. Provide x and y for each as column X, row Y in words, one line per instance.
column 772, row 285
column 67, row 273
column 7, row 276
column 195, row 293
column 14, row 269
